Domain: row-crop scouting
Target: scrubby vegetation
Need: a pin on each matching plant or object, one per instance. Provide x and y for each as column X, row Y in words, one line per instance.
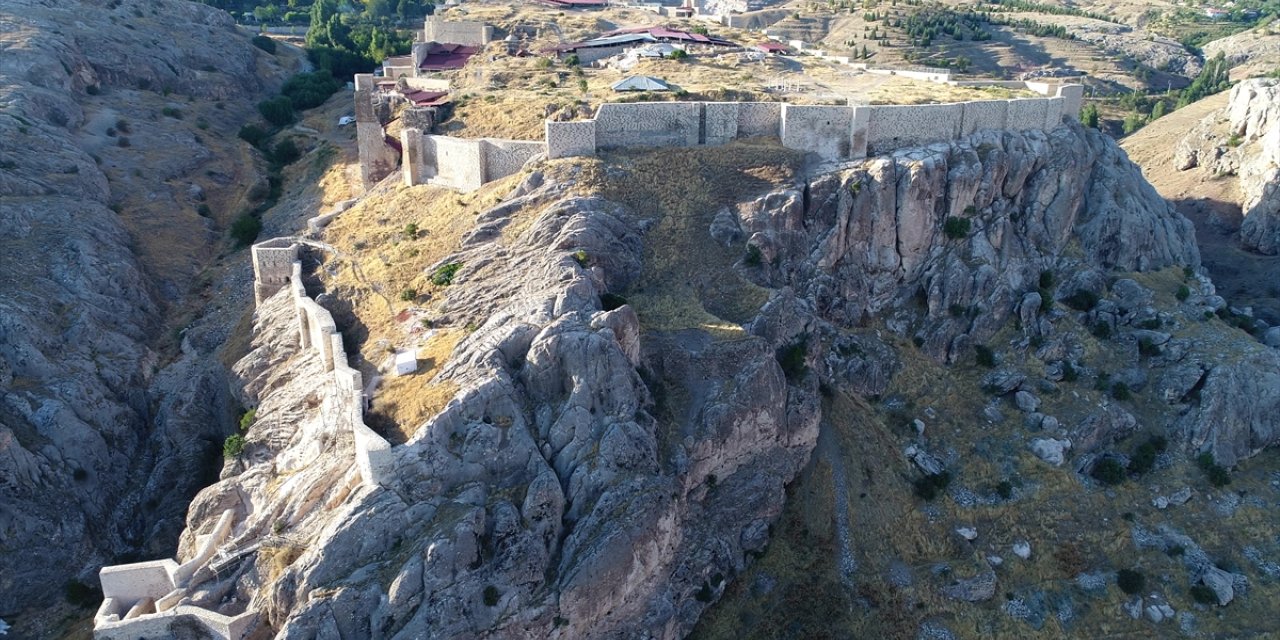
column 1131, row 581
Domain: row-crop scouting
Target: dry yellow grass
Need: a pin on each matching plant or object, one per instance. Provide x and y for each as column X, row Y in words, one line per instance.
column 687, row 279
column 403, row 403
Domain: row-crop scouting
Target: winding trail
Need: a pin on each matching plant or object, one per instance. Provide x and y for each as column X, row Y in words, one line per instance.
column 830, row 451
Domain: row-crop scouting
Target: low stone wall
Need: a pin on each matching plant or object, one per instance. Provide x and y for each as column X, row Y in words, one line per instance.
column 146, row 599
column 647, row 124
column 462, row 163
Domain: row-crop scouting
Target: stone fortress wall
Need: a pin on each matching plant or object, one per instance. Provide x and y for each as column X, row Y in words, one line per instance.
column 149, row 599
column 462, row 163
column 469, row 32
column 832, row 132
column 317, row 330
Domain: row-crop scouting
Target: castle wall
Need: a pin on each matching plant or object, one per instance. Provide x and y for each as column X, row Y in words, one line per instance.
column 826, row 131
column 719, row 122
column 507, row 157
column 317, row 330
column 567, row 139
column 438, row 29
column 896, row 126
column 654, row 124
column 983, row 115
column 1072, row 100
column 459, row 162
column 759, row 119
column 1026, row 114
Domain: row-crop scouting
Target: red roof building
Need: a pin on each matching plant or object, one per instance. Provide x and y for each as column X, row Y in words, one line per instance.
column 776, row 48
column 446, row 57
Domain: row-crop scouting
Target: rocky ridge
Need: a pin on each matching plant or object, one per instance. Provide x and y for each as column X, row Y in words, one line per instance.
column 104, row 431
column 1248, row 148
column 593, row 476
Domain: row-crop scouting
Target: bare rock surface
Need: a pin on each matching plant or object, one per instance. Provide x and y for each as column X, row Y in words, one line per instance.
column 108, row 423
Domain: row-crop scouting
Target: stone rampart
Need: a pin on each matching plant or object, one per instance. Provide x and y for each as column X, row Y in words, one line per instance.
column 757, row 119
column 824, row 130
column 462, row 163
column 831, row 132
column 896, row 126
column 147, row 599
column 438, row 29
column 648, row 124
column 317, row 330
column 568, row 139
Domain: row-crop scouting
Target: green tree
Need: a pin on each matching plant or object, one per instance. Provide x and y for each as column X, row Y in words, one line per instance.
column 1133, row 122
column 378, row 8
column 267, row 14
column 1089, row 116
column 1158, row 110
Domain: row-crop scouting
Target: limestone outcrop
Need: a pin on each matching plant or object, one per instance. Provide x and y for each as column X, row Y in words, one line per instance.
column 963, row 231
column 1248, row 148
column 594, row 478
column 105, row 430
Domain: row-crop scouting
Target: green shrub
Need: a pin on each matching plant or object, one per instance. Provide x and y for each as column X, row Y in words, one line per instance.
column 252, row 134
column 122, row 142
column 1082, row 300
column 1046, row 300
column 956, row 228
column 83, row 595
column 1202, row 594
column 122, row 126
column 93, row 90
column 678, row 54
column 443, row 275
column 984, row 356
column 309, row 90
column 753, row 257
column 1131, row 581
column 233, row 446
column 1183, row 293
column 791, row 359
column 1101, row 330
column 410, row 231
column 278, row 110
column 1069, row 373
column 1108, row 471
column 1046, row 279
column 204, row 211
column 1148, row 348
column 491, row 596
column 172, row 112
column 285, row 152
column 409, row 295
column 611, row 301
column 1144, row 457
column 247, row 419
column 580, row 256
column 956, row 310
column 928, row 487
column 1175, row 551
column 1217, row 474
column 245, row 229
column 572, row 60
column 264, row 43
column 1120, row 391
column 1004, row 489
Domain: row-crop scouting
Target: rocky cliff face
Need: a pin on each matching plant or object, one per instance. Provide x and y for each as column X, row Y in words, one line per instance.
column 595, row 476
column 104, row 431
column 1249, row 149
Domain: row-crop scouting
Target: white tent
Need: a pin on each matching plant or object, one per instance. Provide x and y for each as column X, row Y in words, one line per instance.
column 655, row 50
column 641, row 83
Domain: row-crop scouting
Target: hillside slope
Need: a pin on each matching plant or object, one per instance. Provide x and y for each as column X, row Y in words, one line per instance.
column 654, row 343
column 118, row 176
